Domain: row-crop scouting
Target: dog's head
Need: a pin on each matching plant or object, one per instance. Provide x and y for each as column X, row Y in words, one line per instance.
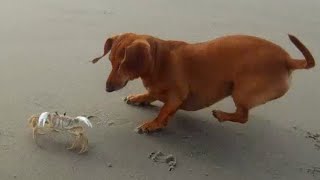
column 130, row 57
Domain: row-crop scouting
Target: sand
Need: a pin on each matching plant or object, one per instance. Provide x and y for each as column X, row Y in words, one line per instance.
column 45, row 48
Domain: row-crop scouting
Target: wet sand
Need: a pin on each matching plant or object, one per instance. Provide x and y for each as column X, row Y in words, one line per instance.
column 45, row 49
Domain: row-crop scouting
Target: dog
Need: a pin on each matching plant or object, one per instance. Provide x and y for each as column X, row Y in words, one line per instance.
column 252, row 70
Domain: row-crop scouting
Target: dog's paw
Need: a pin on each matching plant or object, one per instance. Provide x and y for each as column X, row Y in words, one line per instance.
column 218, row 115
column 150, row 127
column 133, row 100
column 129, row 100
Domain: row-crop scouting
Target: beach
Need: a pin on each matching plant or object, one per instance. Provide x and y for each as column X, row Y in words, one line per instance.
column 45, row 50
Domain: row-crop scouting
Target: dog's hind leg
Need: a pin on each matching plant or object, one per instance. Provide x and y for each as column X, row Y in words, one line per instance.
column 240, row 116
column 250, row 95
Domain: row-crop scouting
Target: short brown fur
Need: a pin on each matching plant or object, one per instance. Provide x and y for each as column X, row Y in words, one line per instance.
column 190, row 77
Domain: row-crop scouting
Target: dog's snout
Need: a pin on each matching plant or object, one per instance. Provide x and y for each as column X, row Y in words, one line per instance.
column 109, row 87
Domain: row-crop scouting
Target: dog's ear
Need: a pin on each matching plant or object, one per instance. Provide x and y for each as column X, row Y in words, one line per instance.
column 137, row 59
column 107, row 48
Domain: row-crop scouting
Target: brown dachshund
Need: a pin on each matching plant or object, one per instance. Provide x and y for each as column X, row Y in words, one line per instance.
column 190, row 77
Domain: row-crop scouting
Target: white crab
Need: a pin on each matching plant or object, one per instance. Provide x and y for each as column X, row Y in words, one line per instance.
column 61, row 121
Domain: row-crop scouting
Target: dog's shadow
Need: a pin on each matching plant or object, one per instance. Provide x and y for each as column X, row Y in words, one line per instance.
column 200, row 137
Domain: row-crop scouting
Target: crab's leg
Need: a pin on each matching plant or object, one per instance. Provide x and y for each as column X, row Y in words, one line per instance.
column 85, row 120
column 43, row 118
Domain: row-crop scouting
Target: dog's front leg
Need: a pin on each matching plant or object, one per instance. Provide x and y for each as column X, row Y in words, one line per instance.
column 161, row 121
column 140, row 99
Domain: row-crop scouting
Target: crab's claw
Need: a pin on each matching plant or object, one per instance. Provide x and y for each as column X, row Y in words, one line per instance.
column 43, row 118
column 85, row 120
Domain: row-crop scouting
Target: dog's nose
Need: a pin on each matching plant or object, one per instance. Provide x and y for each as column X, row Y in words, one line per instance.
column 109, row 88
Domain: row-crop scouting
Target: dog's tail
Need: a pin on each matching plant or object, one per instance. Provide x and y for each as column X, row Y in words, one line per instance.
column 306, row 63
